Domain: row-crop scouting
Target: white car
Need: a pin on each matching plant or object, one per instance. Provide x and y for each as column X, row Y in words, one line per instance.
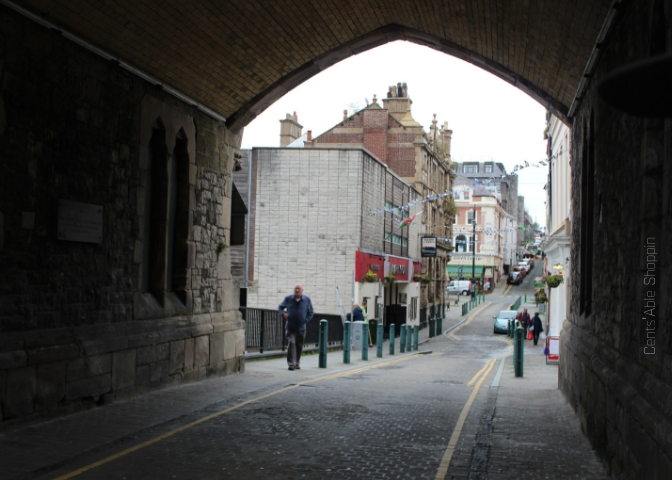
column 461, row 287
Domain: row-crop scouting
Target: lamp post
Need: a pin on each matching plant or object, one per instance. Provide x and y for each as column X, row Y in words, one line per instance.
column 473, row 248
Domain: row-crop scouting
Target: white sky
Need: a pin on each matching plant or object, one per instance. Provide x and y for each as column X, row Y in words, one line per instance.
column 490, row 118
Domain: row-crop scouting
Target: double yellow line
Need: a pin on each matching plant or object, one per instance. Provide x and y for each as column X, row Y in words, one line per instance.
column 476, row 381
column 227, row 410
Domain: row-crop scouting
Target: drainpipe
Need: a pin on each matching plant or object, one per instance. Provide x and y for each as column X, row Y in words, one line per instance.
column 249, row 214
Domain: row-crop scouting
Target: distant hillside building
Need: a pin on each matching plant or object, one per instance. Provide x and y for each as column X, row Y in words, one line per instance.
column 492, row 176
column 487, row 253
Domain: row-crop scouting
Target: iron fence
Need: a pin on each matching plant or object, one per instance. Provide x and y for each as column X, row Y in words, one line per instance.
column 265, row 330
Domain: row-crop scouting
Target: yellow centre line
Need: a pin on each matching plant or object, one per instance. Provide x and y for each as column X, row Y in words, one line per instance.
column 507, row 290
column 452, row 443
column 477, row 311
column 225, row 411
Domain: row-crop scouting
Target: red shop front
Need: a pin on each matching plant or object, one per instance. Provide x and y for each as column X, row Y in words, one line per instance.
column 369, row 261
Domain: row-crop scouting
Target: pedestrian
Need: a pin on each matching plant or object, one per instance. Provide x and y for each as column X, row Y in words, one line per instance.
column 366, row 318
column 536, row 327
column 525, row 321
column 297, row 310
column 357, row 313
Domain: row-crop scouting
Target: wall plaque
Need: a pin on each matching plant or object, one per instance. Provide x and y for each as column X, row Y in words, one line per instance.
column 80, row 222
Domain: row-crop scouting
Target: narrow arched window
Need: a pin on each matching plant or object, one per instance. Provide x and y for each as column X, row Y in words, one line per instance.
column 178, row 219
column 154, row 225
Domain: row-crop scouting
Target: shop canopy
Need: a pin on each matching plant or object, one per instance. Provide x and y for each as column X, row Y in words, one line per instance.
column 453, row 271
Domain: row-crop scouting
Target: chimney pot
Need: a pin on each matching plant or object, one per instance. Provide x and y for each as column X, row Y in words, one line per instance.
column 309, row 138
column 296, row 118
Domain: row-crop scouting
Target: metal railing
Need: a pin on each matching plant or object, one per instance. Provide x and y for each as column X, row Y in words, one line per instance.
column 265, row 330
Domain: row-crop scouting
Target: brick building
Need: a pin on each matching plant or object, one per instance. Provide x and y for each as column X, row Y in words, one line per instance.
column 420, row 158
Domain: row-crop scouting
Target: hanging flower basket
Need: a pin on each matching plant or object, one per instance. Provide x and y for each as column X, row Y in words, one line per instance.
column 553, row 281
column 390, row 279
column 425, row 279
column 417, row 278
column 369, row 277
column 540, row 297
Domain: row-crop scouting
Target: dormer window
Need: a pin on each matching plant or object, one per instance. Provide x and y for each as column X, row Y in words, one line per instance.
column 488, row 168
column 471, row 169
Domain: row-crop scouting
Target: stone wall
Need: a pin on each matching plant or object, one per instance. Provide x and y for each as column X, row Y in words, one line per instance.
column 76, row 328
column 616, row 346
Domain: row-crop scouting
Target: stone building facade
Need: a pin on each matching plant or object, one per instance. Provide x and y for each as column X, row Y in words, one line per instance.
column 616, row 345
column 420, row 158
column 114, row 222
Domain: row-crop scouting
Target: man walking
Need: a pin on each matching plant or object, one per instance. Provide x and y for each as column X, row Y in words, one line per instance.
column 525, row 322
column 536, row 327
column 297, row 310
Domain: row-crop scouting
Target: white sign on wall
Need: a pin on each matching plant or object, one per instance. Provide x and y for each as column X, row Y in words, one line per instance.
column 80, row 222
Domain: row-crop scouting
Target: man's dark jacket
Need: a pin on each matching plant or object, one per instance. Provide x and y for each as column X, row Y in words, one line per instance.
column 299, row 313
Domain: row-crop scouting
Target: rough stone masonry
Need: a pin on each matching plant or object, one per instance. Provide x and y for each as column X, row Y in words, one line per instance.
column 76, row 326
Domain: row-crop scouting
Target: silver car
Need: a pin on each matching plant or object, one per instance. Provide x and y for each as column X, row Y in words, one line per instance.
column 502, row 320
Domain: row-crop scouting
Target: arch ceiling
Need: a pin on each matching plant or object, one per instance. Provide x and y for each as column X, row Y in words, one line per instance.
column 237, row 57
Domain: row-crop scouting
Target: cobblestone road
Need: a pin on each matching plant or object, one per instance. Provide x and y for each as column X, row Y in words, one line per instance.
column 389, row 418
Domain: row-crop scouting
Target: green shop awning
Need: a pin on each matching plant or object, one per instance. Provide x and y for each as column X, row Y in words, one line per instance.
column 453, row 271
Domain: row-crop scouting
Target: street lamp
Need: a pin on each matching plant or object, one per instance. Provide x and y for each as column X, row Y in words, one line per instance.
column 473, row 248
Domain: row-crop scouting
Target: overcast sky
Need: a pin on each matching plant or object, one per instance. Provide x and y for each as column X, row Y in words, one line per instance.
column 490, row 119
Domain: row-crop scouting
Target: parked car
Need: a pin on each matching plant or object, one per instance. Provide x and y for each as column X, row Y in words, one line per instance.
column 526, row 264
column 514, row 278
column 521, row 270
column 461, row 287
column 502, row 320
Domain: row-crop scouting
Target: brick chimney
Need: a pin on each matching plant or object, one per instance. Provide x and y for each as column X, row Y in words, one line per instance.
column 290, row 129
column 308, row 142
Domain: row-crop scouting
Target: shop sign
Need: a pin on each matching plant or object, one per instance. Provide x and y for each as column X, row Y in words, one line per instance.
column 428, row 246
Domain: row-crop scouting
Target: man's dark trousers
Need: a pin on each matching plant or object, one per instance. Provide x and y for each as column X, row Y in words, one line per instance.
column 295, row 346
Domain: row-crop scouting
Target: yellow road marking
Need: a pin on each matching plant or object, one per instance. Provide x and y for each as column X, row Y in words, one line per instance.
column 475, row 378
column 506, row 290
column 452, row 443
column 225, row 411
column 452, row 334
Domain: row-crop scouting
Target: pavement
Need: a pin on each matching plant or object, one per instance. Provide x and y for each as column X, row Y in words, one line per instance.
column 453, row 409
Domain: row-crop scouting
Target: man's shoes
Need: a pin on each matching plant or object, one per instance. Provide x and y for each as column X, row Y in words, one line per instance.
column 298, row 367
column 291, row 368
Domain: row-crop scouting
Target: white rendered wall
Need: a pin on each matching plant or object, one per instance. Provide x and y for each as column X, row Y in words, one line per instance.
column 307, row 225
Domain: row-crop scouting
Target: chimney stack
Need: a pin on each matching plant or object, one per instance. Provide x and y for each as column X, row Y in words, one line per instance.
column 290, row 129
